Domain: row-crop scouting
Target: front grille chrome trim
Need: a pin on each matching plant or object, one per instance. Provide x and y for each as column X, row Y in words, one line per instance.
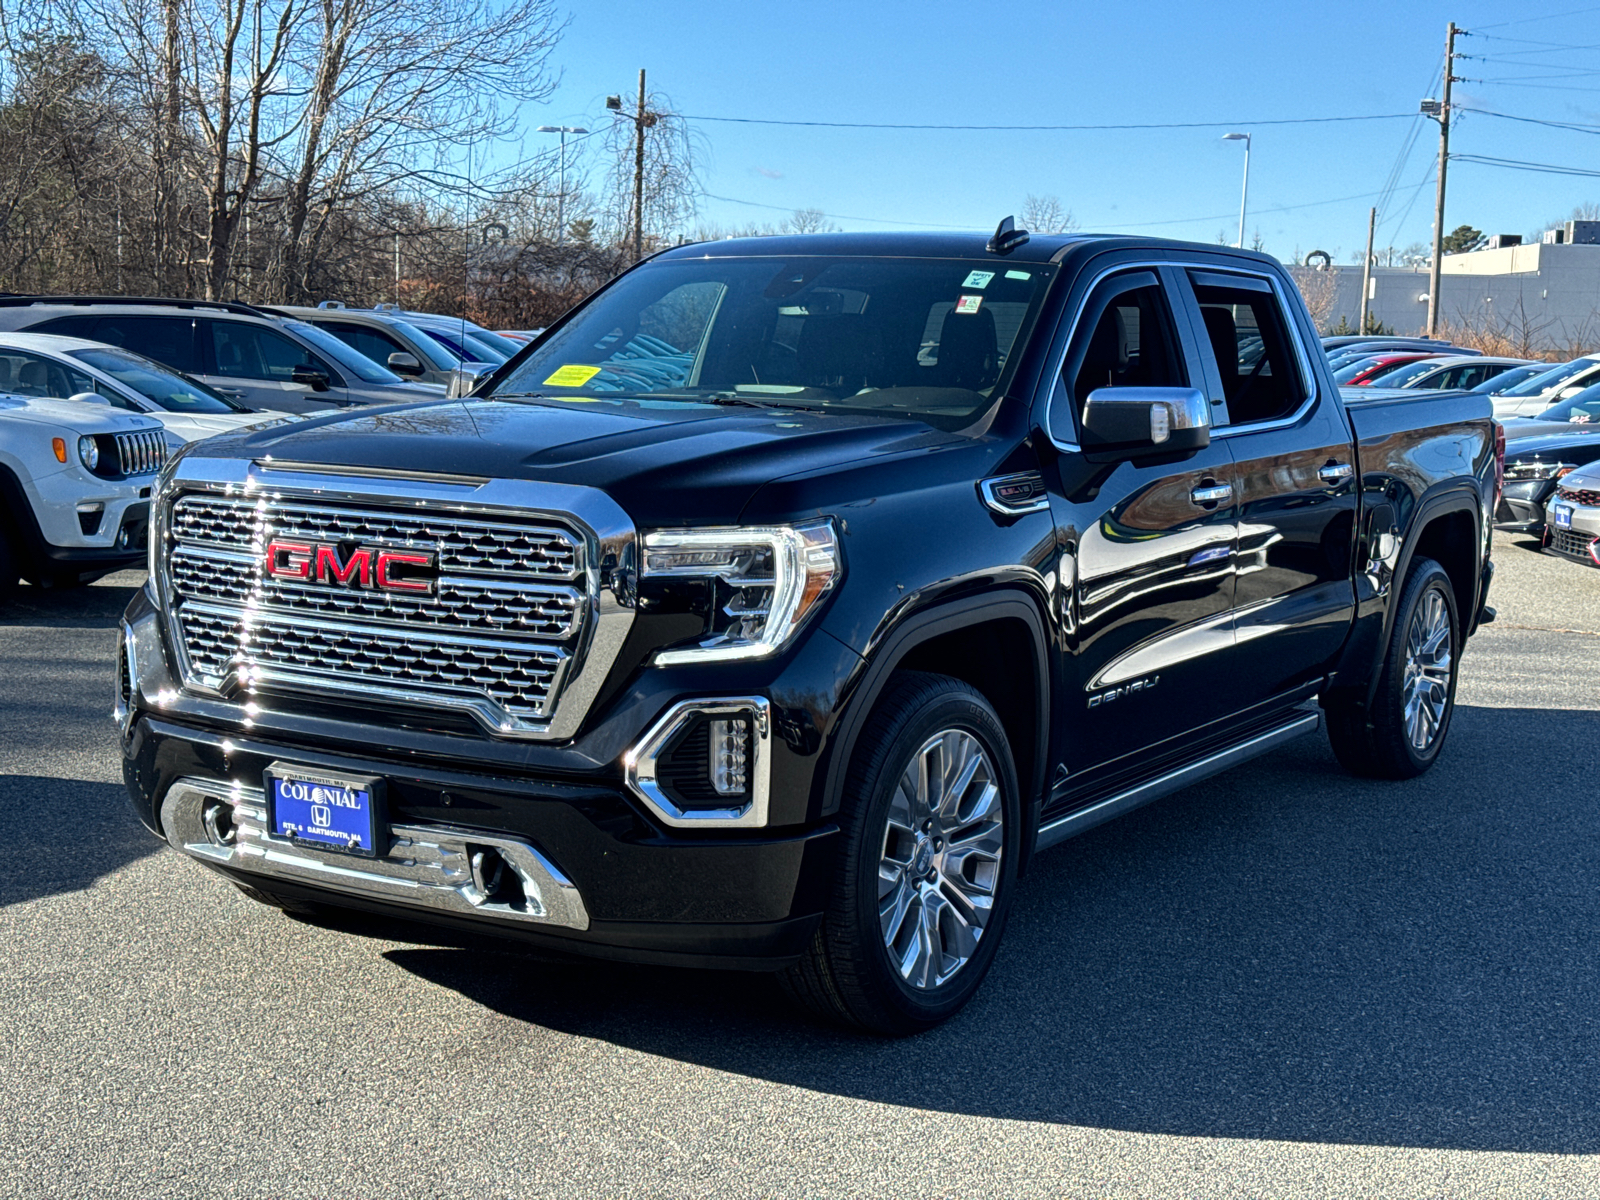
column 578, row 654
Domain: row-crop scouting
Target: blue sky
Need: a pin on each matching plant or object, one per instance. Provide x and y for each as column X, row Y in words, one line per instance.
column 1039, row 63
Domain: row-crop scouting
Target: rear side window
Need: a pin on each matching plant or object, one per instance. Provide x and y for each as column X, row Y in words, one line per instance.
column 26, row 374
column 168, row 340
column 1126, row 339
column 1249, row 338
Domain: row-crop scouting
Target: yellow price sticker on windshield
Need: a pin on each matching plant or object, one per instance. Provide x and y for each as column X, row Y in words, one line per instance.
column 571, row 376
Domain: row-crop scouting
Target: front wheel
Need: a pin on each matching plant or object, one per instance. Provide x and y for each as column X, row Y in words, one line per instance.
column 932, row 825
column 1400, row 734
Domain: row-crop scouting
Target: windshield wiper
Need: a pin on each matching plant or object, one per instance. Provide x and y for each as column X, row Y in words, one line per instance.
column 737, row 398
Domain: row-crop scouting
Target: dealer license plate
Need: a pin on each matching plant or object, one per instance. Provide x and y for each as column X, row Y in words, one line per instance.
column 327, row 812
column 1563, row 515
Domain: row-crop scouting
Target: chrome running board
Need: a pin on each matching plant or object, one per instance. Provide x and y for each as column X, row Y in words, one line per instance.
column 425, row 866
column 1074, row 823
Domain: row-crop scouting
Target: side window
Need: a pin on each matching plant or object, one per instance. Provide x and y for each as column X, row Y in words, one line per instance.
column 375, row 344
column 1126, row 339
column 25, row 374
column 256, row 352
column 1249, row 337
column 168, row 340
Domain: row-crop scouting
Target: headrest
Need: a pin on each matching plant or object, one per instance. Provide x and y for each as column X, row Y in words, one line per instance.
column 969, row 353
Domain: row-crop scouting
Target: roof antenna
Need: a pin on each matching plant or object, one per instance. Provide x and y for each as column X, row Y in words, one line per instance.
column 1007, row 237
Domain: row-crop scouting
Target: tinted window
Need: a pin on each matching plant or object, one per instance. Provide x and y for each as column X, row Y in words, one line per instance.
column 1130, row 345
column 1404, row 374
column 1553, row 377
column 67, row 326
column 1582, row 409
column 255, row 352
column 168, row 340
column 373, row 343
column 1247, row 334
column 1510, row 379
column 26, row 374
column 346, row 356
column 171, row 392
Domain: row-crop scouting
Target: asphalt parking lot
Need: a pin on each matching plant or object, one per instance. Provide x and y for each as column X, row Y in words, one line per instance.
column 1282, row 982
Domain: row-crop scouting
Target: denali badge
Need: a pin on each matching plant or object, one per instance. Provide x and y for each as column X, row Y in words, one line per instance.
column 356, row 567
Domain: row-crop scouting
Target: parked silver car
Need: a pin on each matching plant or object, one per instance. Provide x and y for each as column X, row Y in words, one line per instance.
column 1539, row 393
column 1572, row 516
column 257, row 359
column 1461, row 371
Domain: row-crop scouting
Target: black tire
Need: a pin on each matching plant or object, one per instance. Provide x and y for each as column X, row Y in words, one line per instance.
column 288, row 904
column 1376, row 741
column 846, row 974
column 10, row 572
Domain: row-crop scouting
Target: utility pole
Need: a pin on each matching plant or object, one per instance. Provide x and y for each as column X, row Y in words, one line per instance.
column 1444, row 162
column 1366, row 271
column 638, row 174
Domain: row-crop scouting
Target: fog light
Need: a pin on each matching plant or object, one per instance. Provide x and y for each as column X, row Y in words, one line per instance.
column 730, row 756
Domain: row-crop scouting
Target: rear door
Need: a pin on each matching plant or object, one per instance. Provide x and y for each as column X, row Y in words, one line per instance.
column 1148, row 574
column 255, row 364
column 1294, row 597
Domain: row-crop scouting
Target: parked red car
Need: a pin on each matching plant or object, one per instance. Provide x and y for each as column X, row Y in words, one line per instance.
column 1368, row 371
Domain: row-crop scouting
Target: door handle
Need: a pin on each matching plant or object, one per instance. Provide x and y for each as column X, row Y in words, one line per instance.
column 1214, row 493
column 1335, row 472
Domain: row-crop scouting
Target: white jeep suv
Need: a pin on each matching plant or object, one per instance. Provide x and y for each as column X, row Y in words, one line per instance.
column 75, row 479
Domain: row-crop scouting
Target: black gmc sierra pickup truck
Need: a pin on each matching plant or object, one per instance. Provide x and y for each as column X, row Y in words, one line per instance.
column 779, row 602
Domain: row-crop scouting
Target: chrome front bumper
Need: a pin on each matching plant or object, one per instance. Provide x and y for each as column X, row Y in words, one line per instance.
column 425, row 867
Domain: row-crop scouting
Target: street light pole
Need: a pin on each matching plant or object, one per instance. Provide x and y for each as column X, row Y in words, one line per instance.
column 561, row 196
column 1244, row 194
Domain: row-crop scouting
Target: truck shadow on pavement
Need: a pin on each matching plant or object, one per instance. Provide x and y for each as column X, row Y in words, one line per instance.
column 1284, row 952
column 94, row 607
column 60, row 835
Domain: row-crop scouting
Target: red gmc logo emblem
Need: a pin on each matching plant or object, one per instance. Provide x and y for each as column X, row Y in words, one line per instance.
column 359, row 567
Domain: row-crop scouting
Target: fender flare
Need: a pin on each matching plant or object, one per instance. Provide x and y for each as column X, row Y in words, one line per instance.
column 1455, row 496
column 890, row 649
column 17, row 517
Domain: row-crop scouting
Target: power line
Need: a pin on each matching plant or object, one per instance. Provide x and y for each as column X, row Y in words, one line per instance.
column 1573, row 126
column 1047, row 128
column 1519, row 165
column 1576, row 12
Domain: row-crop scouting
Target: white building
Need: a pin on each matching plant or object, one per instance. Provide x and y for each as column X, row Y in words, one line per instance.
column 1549, row 288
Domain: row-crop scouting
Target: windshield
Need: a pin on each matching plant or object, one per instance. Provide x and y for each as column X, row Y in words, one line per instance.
column 472, row 348
column 351, row 359
column 929, row 339
column 1553, row 377
column 1497, row 384
column 1582, row 409
column 1399, row 376
column 155, row 383
column 1350, row 370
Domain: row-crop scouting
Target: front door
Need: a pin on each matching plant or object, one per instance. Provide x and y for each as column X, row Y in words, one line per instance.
column 255, row 364
column 1147, row 572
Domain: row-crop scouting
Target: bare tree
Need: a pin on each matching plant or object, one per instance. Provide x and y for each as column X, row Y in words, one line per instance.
column 809, row 220
column 671, row 186
column 1320, row 290
column 1046, row 214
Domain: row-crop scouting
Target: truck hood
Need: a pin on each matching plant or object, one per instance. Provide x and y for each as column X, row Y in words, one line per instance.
column 666, row 463
column 76, row 416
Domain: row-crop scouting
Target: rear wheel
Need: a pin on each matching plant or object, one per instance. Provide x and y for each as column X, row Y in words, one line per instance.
column 9, row 570
column 1400, row 734
column 920, row 895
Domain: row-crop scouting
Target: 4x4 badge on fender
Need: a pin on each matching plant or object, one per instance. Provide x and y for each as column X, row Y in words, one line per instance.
column 357, row 567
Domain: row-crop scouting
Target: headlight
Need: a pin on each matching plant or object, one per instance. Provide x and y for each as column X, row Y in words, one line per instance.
column 1522, row 472
column 88, row 452
column 765, row 580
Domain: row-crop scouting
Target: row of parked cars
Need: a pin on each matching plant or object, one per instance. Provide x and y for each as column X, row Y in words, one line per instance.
column 1550, row 413
column 96, row 392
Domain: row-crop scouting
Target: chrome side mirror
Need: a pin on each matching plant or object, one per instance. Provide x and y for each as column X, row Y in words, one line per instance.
column 1130, row 422
column 402, row 362
column 465, row 379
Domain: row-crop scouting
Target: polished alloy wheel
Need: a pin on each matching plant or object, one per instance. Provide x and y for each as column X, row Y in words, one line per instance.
column 941, row 858
column 1427, row 670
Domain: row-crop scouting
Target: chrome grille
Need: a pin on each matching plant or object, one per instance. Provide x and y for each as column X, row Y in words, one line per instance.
column 141, row 453
column 1574, row 545
column 499, row 635
column 1585, row 496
